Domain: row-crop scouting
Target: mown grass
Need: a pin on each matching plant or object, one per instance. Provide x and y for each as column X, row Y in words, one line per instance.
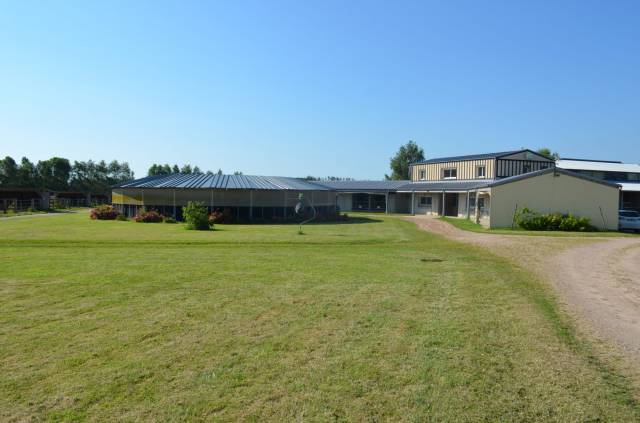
column 469, row 225
column 374, row 320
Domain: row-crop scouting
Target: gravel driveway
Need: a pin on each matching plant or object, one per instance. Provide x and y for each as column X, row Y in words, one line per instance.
column 598, row 279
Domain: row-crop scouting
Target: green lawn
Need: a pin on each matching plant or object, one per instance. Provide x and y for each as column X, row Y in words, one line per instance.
column 468, row 225
column 366, row 321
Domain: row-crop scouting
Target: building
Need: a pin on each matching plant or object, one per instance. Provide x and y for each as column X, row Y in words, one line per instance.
column 488, row 188
column 624, row 174
column 246, row 197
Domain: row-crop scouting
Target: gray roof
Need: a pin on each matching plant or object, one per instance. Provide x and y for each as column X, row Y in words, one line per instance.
column 549, row 170
column 204, row 181
column 445, row 185
column 363, row 186
column 476, row 157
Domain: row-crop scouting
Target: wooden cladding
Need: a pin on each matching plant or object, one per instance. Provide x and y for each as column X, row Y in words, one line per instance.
column 467, row 169
column 506, row 168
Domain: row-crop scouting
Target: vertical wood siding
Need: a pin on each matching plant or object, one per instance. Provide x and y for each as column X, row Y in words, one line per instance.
column 466, row 169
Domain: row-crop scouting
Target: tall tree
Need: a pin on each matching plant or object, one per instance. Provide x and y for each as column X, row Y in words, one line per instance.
column 186, row 169
column 54, row 173
column 175, row 169
column 27, row 174
column 399, row 164
column 548, row 154
column 8, row 172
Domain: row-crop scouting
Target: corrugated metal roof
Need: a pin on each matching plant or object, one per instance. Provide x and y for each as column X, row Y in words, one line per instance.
column 597, row 166
column 215, row 181
column 549, row 170
column 363, row 186
column 469, row 157
column 630, row 186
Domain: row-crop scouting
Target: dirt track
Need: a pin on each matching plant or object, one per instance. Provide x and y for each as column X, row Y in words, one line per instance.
column 598, row 279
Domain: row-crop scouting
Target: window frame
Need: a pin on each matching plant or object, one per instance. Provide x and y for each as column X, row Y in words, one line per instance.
column 422, row 174
column 451, row 170
column 426, row 204
column 484, row 171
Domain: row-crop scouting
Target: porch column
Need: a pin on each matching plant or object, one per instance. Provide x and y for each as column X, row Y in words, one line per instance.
column 442, row 206
column 476, row 212
column 413, row 202
column 468, row 207
column 386, row 202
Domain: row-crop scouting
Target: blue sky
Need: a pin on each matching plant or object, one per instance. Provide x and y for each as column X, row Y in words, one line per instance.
column 321, row 88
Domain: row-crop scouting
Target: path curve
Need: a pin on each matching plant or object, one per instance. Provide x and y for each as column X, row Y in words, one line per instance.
column 598, row 279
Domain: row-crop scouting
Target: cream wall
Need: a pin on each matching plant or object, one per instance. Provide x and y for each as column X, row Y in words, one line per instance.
column 549, row 194
column 466, row 169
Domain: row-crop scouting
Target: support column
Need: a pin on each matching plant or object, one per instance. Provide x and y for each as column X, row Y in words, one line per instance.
column 442, row 206
column 468, row 207
column 413, row 202
column 386, row 202
column 476, row 212
column 175, row 216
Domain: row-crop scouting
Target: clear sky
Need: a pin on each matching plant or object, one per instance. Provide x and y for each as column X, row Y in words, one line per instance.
column 316, row 87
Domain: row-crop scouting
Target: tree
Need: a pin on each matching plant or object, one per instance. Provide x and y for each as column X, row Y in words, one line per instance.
column 27, row 174
column 55, row 173
column 8, row 172
column 548, row 154
column 196, row 216
column 197, row 170
column 175, row 169
column 399, row 164
column 186, row 169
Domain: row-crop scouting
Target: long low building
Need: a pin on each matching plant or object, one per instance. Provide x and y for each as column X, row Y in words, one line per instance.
column 488, row 188
column 246, row 197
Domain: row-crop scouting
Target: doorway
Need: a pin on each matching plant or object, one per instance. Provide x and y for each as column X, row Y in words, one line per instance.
column 451, row 205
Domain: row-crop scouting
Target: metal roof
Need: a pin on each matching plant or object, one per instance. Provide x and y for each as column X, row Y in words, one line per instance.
column 215, row 181
column 630, row 186
column 599, row 166
column 445, row 185
column 363, row 186
column 549, row 170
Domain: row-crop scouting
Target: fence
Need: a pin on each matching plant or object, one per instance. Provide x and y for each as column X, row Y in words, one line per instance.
column 19, row 205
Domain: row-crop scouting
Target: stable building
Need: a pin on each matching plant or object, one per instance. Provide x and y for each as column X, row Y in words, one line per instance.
column 247, row 197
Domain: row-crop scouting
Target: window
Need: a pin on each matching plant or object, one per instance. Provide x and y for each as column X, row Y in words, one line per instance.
column 472, row 202
column 425, row 201
column 481, row 172
column 450, row 173
column 423, row 175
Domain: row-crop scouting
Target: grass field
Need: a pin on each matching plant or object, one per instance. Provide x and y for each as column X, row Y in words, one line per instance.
column 366, row 321
column 468, row 225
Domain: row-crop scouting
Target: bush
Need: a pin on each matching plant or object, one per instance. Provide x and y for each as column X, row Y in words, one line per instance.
column 196, row 217
column 150, row 216
column 224, row 217
column 121, row 218
column 169, row 219
column 532, row 221
column 104, row 212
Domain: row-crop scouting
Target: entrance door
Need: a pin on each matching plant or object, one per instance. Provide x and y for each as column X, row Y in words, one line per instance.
column 451, row 204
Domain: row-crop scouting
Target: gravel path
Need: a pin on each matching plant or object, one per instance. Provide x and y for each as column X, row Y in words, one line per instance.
column 598, row 279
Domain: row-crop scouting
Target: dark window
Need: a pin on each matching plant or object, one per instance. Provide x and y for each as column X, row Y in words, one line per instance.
column 450, row 173
column 423, row 175
column 481, row 172
column 426, row 201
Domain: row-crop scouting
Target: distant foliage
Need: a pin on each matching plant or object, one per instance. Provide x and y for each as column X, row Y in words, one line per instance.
column 196, row 217
column 121, row 218
column 166, row 169
column 548, row 154
column 170, row 219
column 104, row 212
column 150, row 216
column 58, row 174
column 532, row 221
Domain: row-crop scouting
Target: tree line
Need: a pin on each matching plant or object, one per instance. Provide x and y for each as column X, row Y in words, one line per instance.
column 166, row 169
column 59, row 174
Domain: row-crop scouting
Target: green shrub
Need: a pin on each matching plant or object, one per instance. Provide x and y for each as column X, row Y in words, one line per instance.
column 169, row 219
column 121, row 218
column 196, row 217
column 533, row 221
